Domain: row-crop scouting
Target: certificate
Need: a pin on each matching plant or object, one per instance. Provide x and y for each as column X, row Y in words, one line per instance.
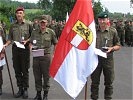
column 38, row 53
column 19, row 45
column 100, row 53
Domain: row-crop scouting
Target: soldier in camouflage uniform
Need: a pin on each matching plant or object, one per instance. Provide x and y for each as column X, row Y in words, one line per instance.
column 128, row 32
column 121, row 32
column 131, row 39
column 106, row 37
column 4, row 27
column 59, row 28
column 20, row 31
column 35, row 24
column 42, row 38
column 53, row 26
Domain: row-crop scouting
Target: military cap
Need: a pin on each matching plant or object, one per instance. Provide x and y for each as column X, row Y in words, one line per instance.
column 19, row 9
column 103, row 15
column 43, row 19
column 120, row 20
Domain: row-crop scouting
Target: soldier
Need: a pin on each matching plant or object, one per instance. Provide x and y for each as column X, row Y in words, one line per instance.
column 112, row 23
column 35, row 24
column 2, row 54
column 53, row 26
column 20, row 32
column 59, row 28
column 106, row 37
column 4, row 27
column 131, row 39
column 128, row 32
column 121, row 31
column 43, row 38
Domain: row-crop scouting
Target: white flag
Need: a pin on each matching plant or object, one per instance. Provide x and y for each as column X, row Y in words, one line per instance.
column 74, row 58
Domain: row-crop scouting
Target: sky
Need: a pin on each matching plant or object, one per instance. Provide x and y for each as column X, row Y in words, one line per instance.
column 122, row 6
column 117, row 6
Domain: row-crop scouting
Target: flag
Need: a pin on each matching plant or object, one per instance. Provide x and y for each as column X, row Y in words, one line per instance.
column 74, row 58
column 2, row 62
column 67, row 17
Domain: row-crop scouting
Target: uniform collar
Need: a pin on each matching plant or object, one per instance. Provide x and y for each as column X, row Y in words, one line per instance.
column 22, row 21
column 45, row 31
column 106, row 30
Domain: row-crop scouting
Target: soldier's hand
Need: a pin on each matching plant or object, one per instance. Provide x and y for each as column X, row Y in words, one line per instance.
column 30, row 46
column 4, row 46
column 2, row 55
column 24, row 42
column 110, row 49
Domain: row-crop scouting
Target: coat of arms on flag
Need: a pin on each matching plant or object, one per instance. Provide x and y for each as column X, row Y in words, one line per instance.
column 84, row 32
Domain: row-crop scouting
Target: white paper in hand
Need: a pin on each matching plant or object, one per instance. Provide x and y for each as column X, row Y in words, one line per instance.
column 100, row 53
column 19, row 45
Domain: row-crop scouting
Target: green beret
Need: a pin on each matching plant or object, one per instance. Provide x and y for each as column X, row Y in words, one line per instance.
column 103, row 15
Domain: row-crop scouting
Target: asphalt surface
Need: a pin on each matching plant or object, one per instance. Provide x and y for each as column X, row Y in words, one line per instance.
column 123, row 85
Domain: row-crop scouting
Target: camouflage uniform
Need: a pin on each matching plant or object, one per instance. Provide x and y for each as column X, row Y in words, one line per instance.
column 35, row 24
column 21, row 57
column 44, row 40
column 59, row 28
column 105, row 64
column 53, row 26
column 131, row 33
column 121, row 32
column 128, row 33
column 109, row 38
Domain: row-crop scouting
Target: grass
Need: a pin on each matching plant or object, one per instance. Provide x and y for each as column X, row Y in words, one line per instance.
column 32, row 11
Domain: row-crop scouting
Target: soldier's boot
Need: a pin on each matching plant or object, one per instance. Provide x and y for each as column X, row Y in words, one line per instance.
column 19, row 93
column 45, row 95
column 25, row 93
column 0, row 89
column 38, row 96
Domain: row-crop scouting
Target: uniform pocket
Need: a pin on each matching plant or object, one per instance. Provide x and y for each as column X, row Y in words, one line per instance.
column 47, row 42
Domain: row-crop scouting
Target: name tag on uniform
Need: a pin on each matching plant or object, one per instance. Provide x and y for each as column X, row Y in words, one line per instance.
column 38, row 53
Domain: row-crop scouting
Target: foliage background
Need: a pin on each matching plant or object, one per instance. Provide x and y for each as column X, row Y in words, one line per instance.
column 55, row 8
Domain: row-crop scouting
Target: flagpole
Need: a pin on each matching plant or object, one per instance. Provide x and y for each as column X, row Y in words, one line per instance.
column 9, row 73
column 86, row 91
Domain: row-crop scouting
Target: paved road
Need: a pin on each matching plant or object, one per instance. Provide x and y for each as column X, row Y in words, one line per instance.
column 122, row 85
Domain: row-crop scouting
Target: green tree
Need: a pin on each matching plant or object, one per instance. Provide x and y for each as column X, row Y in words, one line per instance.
column 61, row 7
column 58, row 8
column 45, row 4
column 131, row 3
column 97, row 8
